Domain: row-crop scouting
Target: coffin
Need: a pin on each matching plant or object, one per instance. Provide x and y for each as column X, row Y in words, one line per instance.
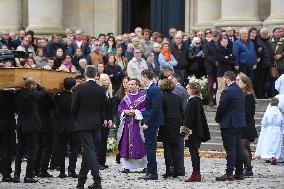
column 50, row 80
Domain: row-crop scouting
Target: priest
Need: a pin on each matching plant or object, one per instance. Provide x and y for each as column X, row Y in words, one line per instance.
column 130, row 134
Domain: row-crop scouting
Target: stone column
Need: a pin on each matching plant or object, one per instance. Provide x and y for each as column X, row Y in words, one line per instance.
column 276, row 18
column 45, row 17
column 10, row 15
column 207, row 13
column 239, row 13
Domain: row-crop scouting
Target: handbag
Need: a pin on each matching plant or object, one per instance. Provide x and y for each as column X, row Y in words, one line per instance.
column 274, row 72
column 184, row 131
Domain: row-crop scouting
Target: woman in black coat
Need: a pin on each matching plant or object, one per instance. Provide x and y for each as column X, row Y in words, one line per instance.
column 248, row 133
column 195, row 120
column 169, row 133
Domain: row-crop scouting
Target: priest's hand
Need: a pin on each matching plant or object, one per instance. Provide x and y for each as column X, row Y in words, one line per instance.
column 145, row 127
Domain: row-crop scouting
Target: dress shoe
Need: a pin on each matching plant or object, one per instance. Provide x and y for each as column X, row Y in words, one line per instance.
column 248, row 172
column 144, row 170
column 273, row 161
column 225, row 177
column 166, row 175
column 30, row 180
column 72, row 174
column 7, row 179
column 95, row 186
column 81, row 183
column 62, row 175
column 16, row 179
column 239, row 177
column 150, row 176
column 117, row 158
column 125, row 171
column 195, row 177
column 44, row 175
column 103, row 167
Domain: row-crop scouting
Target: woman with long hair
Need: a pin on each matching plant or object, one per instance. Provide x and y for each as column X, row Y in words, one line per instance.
column 110, row 46
column 121, row 92
column 196, row 122
column 114, row 72
column 58, row 58
column 248, row 134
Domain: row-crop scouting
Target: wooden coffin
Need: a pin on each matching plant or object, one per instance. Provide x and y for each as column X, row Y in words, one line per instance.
column 14, row 78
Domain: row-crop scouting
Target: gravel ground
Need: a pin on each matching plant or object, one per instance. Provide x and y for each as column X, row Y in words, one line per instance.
column 265, row 176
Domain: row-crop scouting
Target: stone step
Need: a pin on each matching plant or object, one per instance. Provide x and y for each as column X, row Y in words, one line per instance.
column 216, row 127
column 262, row 102
column 212, row 120
column 208, row 108
column 218, row 139
column 213, row 114
column 218, row 146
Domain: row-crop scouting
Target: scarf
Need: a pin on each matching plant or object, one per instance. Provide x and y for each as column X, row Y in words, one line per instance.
column 167, row 54
column 68, row 65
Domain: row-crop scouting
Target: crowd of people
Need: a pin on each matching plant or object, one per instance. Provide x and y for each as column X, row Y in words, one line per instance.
column 137, row 82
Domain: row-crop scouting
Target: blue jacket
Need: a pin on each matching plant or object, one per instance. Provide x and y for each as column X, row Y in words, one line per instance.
column 244, row 53
column 231, row 110
column 153, row 115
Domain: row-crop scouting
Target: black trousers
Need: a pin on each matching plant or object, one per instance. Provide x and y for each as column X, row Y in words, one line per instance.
column 103, row 145
column 7, row 147
column 195, row 159
column 171, row 156
column 262, row 82
column 232, row 143
column 89, row 159
column 27, row 144
column 44, row 150
column 62, row 139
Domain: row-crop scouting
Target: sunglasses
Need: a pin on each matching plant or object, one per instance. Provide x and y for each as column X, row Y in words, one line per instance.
column 208, row 32
column 197, row 43
column 98, row 45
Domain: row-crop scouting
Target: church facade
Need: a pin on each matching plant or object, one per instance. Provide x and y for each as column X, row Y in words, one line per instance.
column 117, row 16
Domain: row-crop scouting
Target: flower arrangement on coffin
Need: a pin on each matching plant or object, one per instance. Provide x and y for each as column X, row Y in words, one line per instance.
column 203, row 81
column 112, row 144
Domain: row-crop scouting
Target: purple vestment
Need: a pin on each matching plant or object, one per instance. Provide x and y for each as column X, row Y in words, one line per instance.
column 130, row 134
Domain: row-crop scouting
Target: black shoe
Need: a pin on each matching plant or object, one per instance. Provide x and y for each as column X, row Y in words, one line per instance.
column 103, row 167
column 44, row 175
column 248, row 172
column 72, row 174
column 95, row 186
column 7, row 179
column 117, row 158
column 30, row 180
column 144, row 170
column 16, row 179
column 225, row 177
column 239, row 177
column 125, row 171
column 181, row 173
column 150, row 176
column 81, row 183
column 62, row 175
column 166, row 175
column 80, row 186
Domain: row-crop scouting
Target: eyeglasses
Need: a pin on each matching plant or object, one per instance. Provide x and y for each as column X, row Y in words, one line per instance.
column 197, row 43
column 208, row 32
column 138, row 52
column 98, row 45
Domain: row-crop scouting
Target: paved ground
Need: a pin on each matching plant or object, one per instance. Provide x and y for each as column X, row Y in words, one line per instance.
column 266, row 176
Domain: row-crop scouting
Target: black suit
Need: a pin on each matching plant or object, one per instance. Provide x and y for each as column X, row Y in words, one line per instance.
column 28, row 129
column 65, row 132
column 7, row 131
column 46, row 107
column 88, row 111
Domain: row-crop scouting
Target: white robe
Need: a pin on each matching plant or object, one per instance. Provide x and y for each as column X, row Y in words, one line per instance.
column 270, row 142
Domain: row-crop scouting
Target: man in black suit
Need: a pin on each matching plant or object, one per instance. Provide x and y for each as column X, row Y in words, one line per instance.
column 65, row 131
column 28, row 128
column 7, row 133
column 88, row 111
column 231, row 117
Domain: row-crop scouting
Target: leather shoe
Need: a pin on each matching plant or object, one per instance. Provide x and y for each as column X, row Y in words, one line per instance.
column 62, row 175
column 72, row 174
column 16, row 179
column 30, row 180
column 7, row 179
column 44, row 175
column 150, row 176
column 166, row 175
column 95, row 186
column 125, row 171
column 225, row 177
column 239, row 177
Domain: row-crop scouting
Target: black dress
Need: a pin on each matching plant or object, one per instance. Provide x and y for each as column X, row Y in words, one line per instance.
column 249, row 132
column 196, row 121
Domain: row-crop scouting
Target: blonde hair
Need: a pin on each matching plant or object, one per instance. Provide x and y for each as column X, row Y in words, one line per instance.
column 109, row 89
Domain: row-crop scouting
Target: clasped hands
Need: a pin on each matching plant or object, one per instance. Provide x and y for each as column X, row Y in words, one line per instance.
column 129, row 112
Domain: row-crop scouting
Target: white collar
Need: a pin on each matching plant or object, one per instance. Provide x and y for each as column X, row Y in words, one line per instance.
column 90, row 79
column 133, row 94
column 149, row 85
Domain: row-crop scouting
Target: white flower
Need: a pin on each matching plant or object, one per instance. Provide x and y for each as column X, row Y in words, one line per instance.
column 202, row 81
